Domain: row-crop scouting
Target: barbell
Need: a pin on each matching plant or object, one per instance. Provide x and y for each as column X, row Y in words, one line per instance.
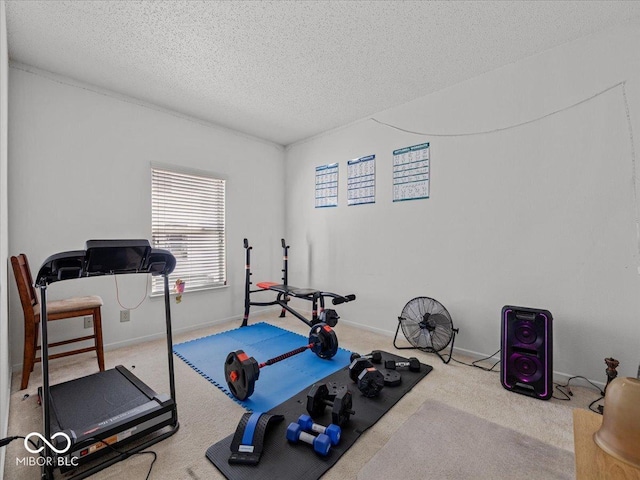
column 242, row 371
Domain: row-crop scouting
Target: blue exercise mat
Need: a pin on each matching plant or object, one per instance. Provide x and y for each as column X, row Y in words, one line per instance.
column 277, row 382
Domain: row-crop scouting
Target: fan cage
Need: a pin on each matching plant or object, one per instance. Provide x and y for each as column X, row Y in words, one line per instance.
column 427, row 326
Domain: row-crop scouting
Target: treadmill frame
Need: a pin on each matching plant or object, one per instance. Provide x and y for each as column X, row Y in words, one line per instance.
column 152, row 263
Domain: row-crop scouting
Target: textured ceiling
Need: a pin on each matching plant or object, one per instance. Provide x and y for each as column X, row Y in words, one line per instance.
column 287, row 70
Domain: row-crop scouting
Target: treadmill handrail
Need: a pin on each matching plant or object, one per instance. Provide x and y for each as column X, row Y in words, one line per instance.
column 133, row 256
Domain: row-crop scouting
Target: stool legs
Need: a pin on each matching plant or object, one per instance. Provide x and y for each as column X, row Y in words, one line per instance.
column 29, row 354
column 31, row 331
column 97, row 331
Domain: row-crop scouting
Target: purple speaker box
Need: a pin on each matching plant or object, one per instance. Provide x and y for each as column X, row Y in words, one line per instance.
column 526, row 358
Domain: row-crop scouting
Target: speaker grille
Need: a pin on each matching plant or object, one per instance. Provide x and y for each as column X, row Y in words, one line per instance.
column 526, row 333
column 526, row 368
column 526, row 353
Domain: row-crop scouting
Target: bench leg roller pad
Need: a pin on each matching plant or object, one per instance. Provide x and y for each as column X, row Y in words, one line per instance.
column 248, row 441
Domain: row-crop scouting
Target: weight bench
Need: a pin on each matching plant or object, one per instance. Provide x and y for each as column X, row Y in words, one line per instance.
column 285, row 292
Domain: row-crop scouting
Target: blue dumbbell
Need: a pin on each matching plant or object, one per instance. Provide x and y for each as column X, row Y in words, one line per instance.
column 321, row 443
column 332, row 431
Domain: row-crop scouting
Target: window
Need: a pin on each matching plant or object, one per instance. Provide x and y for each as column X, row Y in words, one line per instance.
column 187, row 218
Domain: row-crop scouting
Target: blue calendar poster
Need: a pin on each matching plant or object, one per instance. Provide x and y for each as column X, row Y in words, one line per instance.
column 327, row 186
column 411, row 172
column 361, row 180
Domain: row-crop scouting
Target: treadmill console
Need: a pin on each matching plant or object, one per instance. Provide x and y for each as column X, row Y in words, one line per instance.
column 106, row 257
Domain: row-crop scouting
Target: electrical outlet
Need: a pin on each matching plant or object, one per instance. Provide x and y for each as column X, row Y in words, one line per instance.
column 88, row 322
column 125, row 315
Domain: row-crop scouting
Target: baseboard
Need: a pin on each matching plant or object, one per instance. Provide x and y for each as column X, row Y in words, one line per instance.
column 363, row 326
column 190, row 328
column 558, row 377
column 6, row 397
column 562, row 378
column 3, row 434
column 156, row 336
column 2, row 459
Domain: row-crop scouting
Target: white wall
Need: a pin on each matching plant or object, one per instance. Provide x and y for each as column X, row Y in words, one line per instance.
column 544, row 215
column 5, row 369
column 79, row 169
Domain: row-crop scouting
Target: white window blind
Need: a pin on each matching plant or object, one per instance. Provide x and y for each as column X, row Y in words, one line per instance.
column 187, row 213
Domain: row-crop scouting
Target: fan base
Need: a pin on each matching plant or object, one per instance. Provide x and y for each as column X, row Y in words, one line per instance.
column 427, row 349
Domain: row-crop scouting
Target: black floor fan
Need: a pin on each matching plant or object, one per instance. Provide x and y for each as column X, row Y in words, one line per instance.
column 427, row 326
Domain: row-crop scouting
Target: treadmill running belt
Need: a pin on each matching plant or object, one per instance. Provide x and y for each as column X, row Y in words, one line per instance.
column 110, row 393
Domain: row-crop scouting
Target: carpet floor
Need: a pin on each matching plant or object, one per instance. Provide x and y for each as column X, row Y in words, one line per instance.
column 207, row 415
column 432, row 439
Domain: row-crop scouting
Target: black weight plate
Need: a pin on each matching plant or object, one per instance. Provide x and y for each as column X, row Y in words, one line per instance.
column 331, row 317
column 316, row 399
column 334, row 387
column 392, row 378
column 241, row 373
column 370, row 382
column 357, row 366
column 324, row 340
column 342, row 404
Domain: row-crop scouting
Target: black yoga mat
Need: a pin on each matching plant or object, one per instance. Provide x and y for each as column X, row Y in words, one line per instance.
column 285, row 461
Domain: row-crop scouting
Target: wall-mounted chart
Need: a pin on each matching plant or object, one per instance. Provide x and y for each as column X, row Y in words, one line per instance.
column 327, row 186
column 411, row 172
column 361, row 180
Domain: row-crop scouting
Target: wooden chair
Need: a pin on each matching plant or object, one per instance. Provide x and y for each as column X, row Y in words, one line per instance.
column 56, row 310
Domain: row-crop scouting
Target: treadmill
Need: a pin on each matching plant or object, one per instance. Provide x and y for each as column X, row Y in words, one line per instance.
column 91, row 416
